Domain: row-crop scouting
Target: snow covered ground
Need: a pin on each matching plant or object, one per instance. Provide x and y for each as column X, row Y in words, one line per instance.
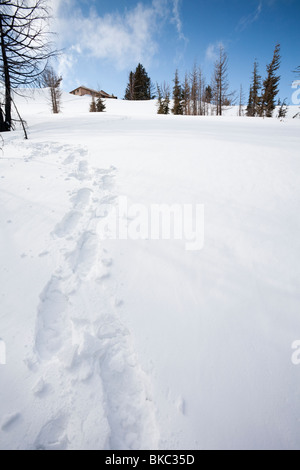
column 140, row 344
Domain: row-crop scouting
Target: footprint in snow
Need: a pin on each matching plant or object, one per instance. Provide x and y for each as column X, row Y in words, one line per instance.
column 10, row 422
column 53, row 435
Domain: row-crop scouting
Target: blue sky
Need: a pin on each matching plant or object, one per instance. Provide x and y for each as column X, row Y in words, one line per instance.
column 104, row 39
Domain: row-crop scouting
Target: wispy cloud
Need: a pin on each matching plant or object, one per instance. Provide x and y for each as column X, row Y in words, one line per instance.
column 212, row 51
column 176, row 19
column 246, row 21
column 122, row 38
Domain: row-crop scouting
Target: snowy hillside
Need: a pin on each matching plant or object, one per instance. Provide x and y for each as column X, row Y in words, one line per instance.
column 141, row 344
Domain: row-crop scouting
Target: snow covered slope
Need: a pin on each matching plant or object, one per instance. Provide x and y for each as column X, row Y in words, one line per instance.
column 123, row 344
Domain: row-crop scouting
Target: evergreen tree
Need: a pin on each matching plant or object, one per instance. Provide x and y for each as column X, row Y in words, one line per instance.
column 163, row 99
column 283, row 109
column 129, row 93
column 100, row 105
column 208, row 94
column 139, row 86
column 166, row 98
column 93, row 108
column 270, row 85
column 254, row 102
column 177, row 96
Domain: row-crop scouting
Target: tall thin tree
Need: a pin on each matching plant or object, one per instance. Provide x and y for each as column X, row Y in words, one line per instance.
column 177, row 96
column 24, row 47
column 254, row 102
column 194, row 91
column 271, row 85
column 186, row 96
column 53, row 81
column 241, row 101
column 221, row 82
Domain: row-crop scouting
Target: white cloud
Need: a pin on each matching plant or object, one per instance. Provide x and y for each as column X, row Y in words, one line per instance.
column 246, row 21
column 66, row 63
column 177, row 19
column 212, row 51
column 121, row 38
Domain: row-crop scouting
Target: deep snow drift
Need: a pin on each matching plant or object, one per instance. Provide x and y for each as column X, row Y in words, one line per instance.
column 138, row 344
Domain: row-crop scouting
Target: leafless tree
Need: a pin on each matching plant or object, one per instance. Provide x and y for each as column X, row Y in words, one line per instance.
column 241, row 101
column 194, row 91
column 221, row 94
column 201, row 93
column 186, row 96
column 53, row 81
column 25, row 48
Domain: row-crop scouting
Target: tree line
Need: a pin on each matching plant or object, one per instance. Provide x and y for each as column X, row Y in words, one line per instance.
column 26, row 49
column 195, row 97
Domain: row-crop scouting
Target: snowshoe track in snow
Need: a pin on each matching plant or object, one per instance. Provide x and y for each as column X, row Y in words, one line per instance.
column 81, row 344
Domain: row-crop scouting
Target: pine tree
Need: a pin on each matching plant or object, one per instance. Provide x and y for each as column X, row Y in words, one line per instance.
column 129, row 93
column 93, row 108
column 283, row 109
column 100, row 105
column 254, row 103
column 166, row 98
column 177, row 96
column 139, row 86
column 163, row 92
column 208, row 96
column 271, row 85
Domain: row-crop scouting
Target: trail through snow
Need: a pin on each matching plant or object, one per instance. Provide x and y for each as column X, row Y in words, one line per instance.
column 140, row 344
column 90, row 390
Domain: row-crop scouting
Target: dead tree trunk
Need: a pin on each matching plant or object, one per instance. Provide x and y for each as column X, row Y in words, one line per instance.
column 7, row 119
